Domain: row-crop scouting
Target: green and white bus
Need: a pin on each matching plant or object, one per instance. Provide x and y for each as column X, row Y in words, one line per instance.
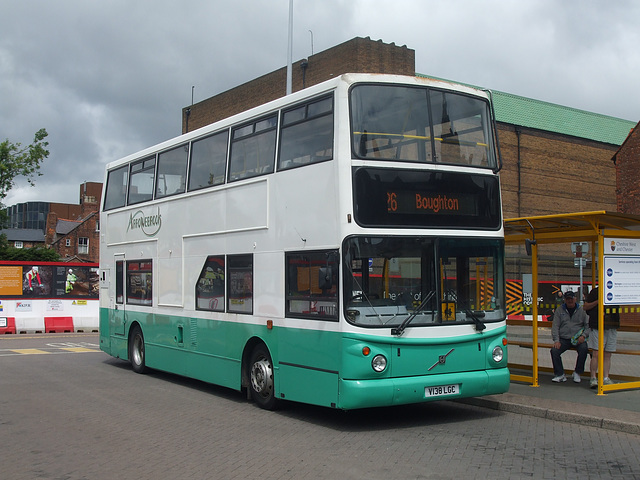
column 341, row 246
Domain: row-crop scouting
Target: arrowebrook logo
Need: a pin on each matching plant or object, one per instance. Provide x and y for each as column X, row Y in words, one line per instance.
column 149, row 224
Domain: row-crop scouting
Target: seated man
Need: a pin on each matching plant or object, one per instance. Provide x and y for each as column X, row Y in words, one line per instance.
column 569, row 330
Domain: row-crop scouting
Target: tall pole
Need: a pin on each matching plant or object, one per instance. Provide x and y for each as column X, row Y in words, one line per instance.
column 534, row 292
column 290, row 47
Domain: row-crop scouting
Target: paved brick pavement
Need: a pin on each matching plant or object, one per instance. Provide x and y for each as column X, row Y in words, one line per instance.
column 84, row 415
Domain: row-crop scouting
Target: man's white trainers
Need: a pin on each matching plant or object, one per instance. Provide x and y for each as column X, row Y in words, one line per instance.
column 593, row 383
column 576, row 377
column 559, row 378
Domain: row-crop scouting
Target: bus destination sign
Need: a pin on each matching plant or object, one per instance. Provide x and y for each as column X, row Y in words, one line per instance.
column 405, row 198
column 402, row 201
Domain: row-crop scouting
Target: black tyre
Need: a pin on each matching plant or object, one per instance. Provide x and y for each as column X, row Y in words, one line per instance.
column 261, row 379
column 136, row 350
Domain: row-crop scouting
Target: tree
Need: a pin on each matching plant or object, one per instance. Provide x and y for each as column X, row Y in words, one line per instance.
column 18, row 161
column 37, row 254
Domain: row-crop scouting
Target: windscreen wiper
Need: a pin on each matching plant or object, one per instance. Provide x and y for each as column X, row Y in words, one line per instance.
column 479, row 324
column 400, row 329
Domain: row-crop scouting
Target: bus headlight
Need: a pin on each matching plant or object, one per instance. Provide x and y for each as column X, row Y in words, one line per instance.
column 379, row 363
column 497, row 354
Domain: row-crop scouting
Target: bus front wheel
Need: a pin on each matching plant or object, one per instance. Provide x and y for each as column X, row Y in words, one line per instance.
column 136, row 350
column 261, row 378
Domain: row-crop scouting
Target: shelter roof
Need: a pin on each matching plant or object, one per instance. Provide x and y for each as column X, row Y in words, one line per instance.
column 569, row 227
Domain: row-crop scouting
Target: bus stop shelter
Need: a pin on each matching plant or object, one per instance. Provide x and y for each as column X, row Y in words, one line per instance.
column 604, row 231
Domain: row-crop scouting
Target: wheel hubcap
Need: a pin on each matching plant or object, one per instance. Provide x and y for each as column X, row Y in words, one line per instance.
column 138, row 350
column 262, row 377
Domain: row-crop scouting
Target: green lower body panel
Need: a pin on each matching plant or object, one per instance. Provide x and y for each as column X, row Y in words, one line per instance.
column 320, row 367
column 307, row 385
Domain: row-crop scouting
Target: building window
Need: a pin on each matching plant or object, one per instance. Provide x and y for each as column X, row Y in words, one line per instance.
column 18, row 244
column 83, row 245
column 67, row 242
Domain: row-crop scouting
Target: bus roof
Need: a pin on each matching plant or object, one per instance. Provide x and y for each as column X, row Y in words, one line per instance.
column 326, row 86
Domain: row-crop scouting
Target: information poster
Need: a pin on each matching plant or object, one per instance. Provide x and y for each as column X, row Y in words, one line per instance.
column 621, row 246
column 622, row 280
column 48, row 281
column 11, row 280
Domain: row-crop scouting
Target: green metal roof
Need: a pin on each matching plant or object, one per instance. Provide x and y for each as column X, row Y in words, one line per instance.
column 530, row 113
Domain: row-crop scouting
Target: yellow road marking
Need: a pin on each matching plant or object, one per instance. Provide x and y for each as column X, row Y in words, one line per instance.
column 52, row 336
column 30, row 351
column 38, row 351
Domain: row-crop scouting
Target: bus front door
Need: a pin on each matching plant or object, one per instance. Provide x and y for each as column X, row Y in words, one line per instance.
column 118, row 314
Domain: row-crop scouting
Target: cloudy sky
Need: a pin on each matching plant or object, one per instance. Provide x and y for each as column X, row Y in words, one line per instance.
column 108, row 78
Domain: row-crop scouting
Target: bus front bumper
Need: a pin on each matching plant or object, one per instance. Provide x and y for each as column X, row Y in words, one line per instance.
column 427, row 388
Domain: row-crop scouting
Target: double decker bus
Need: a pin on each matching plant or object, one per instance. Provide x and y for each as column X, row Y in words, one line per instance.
column 341, row 246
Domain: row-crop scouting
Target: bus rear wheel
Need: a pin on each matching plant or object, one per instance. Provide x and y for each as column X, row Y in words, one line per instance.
column 136, row 350
column 261, row 383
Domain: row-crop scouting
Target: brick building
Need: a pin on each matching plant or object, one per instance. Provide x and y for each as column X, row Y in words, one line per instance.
column 78, row 238
column 24, row 237
column 555, row 159
column 72, row 230
column 627, row 162
column 33, row 215
column 359, row 55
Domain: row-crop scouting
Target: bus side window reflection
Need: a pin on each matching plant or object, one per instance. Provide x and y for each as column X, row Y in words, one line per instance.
column 240, row 284
column 210, row 286
column 139, row 283
column 312, row 285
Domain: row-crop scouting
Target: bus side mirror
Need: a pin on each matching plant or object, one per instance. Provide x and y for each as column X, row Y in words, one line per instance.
column 324, row 278
column 527, row 245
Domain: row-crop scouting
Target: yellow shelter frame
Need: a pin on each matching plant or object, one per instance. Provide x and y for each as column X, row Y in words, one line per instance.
column 591, row 227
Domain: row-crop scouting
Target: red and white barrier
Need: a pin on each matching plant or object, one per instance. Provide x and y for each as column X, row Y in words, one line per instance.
column 48, row 316
column 7, row 325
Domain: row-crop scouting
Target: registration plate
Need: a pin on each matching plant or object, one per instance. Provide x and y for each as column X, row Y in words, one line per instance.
column 441, row 390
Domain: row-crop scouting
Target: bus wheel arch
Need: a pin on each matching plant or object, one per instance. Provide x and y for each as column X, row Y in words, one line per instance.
column 137, row 349
column 259, row 374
